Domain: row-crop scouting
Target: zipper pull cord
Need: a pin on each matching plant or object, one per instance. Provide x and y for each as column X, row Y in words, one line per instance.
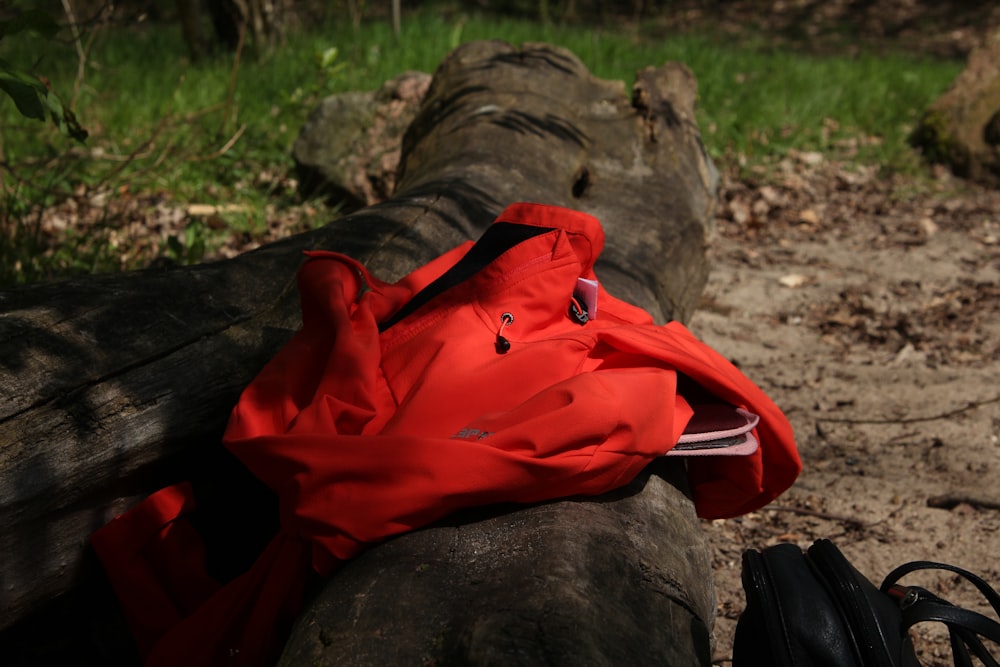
column 578, row 310
column 502, row 344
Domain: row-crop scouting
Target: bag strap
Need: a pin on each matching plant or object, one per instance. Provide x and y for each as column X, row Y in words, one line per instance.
column 964, row 625
column 988, row 592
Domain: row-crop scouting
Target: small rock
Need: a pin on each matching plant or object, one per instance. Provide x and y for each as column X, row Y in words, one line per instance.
column 808, row 217
column 811, row 158
column 963, row 509
column 739, row 211
column 770, row 195
column 793, row 280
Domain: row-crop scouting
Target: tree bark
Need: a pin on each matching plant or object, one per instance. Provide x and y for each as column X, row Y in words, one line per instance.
column 620, row 580
column 113, row 386
column 961, row 129
column 188, row 12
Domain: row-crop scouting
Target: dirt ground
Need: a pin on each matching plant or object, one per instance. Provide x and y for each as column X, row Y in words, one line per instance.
column 869, row 310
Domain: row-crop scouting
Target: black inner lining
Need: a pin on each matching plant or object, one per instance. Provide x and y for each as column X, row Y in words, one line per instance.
column 497, row 239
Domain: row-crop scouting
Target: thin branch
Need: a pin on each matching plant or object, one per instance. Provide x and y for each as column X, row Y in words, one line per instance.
column 972, row 405
column 162, row 157
column 231, row 92
column 81, row 55
column 352, row 9
column 3, row 162
column 140, row 150
column 854, row 521
column 225, row 147
column 194, row 115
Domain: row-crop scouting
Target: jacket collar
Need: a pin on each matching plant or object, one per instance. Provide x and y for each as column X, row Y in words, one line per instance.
column 502, row 251
column 584, row 230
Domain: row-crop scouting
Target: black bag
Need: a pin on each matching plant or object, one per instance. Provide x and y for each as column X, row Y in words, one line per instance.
column 814, row 608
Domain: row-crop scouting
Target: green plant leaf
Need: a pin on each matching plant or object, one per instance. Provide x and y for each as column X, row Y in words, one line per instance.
column 64, row 119
column 455, row 38
column 26, row 91
column 327, row 57
column 34, row 100
column 196, row 252
column 175, row 248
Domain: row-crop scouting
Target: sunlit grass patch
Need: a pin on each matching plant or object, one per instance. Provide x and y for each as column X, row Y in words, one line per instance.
column 219, row 132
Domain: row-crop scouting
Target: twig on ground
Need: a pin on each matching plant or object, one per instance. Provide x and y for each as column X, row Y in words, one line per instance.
column 972, row 405
column 949, row 501
column 816, row 513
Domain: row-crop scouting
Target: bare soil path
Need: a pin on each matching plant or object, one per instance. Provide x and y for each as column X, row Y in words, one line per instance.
column 870, row 311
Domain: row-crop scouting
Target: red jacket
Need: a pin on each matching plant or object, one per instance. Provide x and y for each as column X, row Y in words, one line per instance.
column 479, row 378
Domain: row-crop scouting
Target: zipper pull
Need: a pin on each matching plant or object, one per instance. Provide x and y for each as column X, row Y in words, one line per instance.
column 578, row 310
column 502, row 345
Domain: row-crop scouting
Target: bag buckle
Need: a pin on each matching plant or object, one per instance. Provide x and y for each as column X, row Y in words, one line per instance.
column 906, row 596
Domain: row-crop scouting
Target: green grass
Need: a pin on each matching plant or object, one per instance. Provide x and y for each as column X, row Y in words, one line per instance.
column 161, row 125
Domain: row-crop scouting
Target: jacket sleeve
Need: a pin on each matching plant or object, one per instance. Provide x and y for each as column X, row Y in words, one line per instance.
column 584, row 436
column 728, row 486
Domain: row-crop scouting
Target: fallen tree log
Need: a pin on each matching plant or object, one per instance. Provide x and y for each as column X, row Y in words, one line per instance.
column 113, row 386
column 624, row 580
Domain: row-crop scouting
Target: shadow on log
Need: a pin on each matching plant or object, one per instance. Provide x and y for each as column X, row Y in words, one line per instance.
column 113, row 386
column 624, row 580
